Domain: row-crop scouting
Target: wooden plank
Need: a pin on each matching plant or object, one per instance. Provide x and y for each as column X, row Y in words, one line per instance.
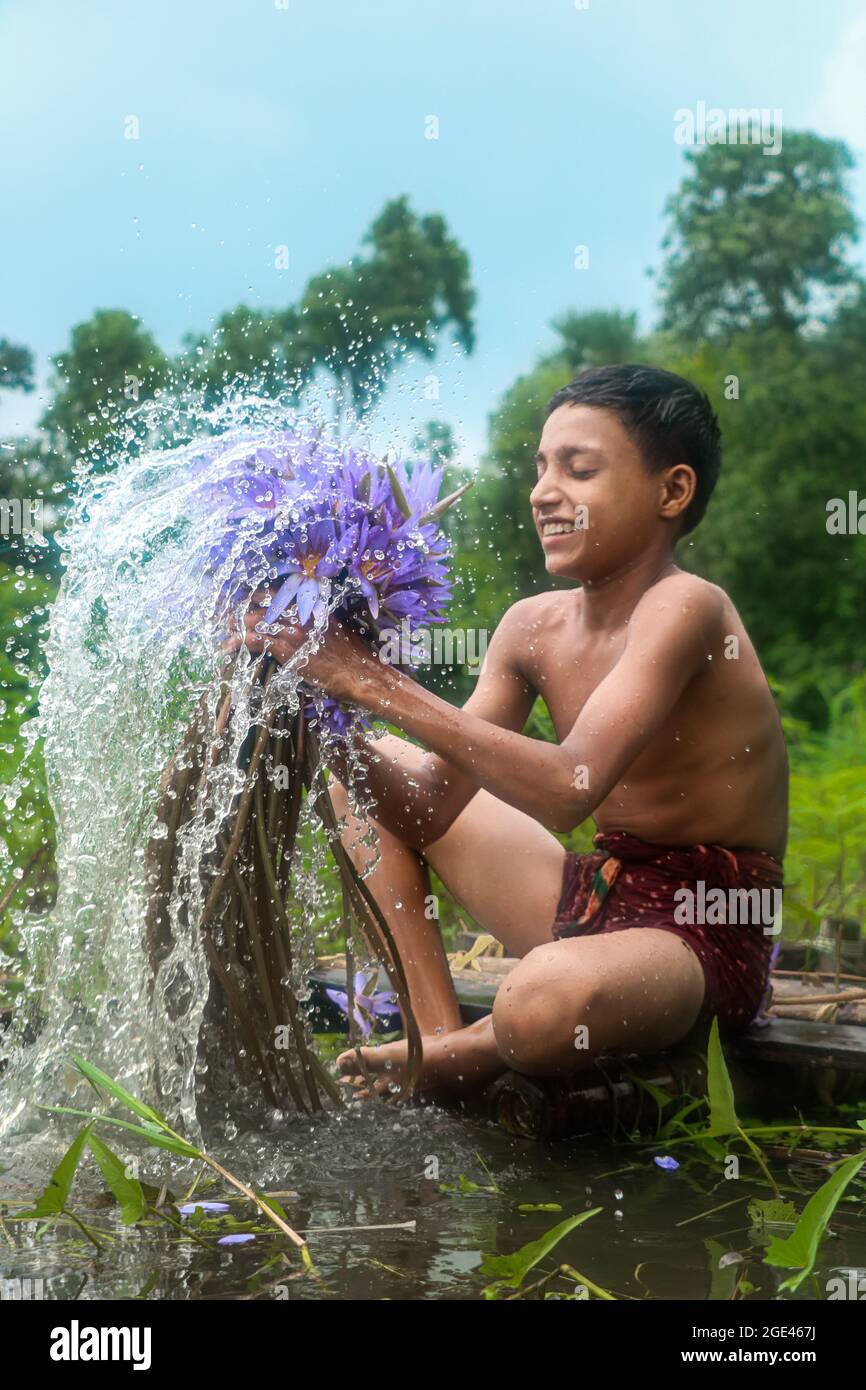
column 841, row 1046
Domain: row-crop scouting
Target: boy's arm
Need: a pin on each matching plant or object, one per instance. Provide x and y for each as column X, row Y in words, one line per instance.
column 419, row 792
column 559, row 785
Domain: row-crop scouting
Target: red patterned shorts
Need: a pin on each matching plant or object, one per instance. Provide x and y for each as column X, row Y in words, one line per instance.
column 726, row 913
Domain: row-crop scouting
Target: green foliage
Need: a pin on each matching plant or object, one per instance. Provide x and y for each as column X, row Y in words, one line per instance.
column 825, row 868
column 27, row 826
column 792, row 441
column 410, row 283
column 253, row 344
column 595, row 338
column 499, row 558
column 16, row 367
column 720, row 1092
column 509, row 1271
column 155, row 1130
column 756, row 240
column 53, row 1199
column 800, row 1249
column 111, row 364
column 126, row 1190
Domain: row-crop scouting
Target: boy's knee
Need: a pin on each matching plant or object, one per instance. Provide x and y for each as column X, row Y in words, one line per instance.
column 542, row 1016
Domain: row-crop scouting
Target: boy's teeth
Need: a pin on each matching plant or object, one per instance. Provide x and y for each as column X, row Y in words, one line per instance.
column 556, row 528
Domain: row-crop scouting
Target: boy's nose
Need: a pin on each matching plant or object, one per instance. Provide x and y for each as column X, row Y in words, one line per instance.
column 544, row 493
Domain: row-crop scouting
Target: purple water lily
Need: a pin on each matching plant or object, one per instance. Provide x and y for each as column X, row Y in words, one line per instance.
column 318, row 556
column 369, row 1008
column 665, row 1161
column 326, row 527
column 240, row 1239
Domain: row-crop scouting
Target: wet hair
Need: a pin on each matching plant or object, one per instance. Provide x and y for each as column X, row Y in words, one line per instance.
column 670, row 420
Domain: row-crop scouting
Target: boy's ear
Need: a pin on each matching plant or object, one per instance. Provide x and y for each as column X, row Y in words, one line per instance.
column 678, row 489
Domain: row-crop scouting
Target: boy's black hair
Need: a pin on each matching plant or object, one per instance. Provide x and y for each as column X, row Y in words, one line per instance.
column 670, row 420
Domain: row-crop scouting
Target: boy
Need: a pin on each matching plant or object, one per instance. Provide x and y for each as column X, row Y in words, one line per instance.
column 668, row 737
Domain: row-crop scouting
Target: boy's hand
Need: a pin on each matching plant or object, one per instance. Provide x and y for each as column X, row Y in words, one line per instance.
column 343, row 665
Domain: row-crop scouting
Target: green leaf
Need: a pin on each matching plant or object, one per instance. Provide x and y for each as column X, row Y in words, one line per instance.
column 54, row 1198
column 511, row 1270
column 723, row 1115
column 772, row 1212
column 155, row 1136
column 464, row 1187
column 661, row 1097
column 127, row 1191
column 799, row 1249
column 101, row 1081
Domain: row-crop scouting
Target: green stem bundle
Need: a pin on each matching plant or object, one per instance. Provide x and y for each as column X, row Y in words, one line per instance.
column 245, row 925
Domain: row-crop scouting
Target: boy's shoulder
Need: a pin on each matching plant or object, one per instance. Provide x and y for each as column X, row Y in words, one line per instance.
column 538, row 610
column 696, row 599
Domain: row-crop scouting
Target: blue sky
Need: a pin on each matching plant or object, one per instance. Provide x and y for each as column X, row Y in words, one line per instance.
column 263, row 125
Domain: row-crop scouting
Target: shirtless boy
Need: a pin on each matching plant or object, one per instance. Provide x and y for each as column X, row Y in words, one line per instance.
column 668, row 737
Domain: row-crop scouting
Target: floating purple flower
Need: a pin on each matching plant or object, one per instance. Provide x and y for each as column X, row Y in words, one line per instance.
column 369, row 1008
column 240, row 1239
column 665, row 1161
column 189, row 1207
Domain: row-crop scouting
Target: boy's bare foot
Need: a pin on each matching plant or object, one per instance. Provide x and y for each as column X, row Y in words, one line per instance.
column 453, row 1064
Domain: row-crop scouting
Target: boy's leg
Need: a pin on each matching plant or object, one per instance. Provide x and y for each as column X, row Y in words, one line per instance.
column 635, row 990
column 501, row 865
column 400, row 885
column 565, row 1003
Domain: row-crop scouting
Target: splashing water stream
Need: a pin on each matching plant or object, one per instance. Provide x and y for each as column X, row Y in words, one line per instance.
column 133, row 648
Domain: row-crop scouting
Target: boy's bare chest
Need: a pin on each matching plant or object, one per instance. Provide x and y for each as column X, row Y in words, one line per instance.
column 565, row 672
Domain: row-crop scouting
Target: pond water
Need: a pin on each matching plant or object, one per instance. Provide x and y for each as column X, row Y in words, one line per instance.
column 367, row 1188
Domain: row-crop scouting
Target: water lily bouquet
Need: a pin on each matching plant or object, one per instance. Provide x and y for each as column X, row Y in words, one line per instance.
column 330, row 529
column 327, row 529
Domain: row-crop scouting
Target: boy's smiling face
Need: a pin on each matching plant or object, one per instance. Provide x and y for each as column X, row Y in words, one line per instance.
column 587, row 460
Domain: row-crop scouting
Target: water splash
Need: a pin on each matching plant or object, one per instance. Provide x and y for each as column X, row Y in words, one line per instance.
column 132, row 649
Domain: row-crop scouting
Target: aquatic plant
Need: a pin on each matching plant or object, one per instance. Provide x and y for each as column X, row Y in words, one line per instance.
column 128, row 1191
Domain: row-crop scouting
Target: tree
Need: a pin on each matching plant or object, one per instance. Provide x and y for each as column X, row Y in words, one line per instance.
column 757, row 240
column 595, row 338
column 411, row 282
column 793, row 440
column 111, row 364
column 403, row 295
column 500, row 559
column 435, row 443
column 258, row 346
column 16, row 367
